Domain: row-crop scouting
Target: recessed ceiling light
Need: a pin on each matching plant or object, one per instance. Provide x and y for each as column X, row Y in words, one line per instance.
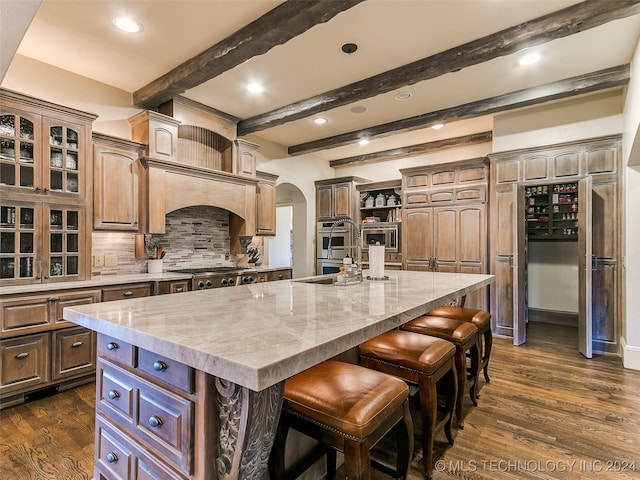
column 358, row 109
column 127, row 25
column 530, row 59
column 255, row 88
column 363, row 141
column 320, row 121
column 404, row 96
column 437, row 126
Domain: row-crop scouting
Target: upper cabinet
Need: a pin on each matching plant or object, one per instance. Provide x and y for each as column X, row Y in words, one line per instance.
column 116, row 172
column 266, row 204
column 45, row 174
column 337, row 198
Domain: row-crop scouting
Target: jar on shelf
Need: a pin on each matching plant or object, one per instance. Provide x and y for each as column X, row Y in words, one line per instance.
column 369, row 201
column 380, row 200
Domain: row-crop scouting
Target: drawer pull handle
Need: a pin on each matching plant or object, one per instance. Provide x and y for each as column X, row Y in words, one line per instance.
column 54, row 299
column 76, row 344
column 22, row 355
column 128, row 294
column 179, row 289
column 155, row 421
column 112, row 457
column 159, row 366
column 112, row 346
column 113, row 394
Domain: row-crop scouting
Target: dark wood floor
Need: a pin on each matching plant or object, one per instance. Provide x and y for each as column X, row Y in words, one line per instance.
column 548, row 413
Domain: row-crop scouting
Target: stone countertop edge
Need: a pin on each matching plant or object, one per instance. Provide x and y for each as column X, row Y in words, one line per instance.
column 256, row 336
column 109, row 279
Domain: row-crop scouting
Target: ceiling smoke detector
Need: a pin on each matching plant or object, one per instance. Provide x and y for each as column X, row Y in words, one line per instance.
column 349, row 48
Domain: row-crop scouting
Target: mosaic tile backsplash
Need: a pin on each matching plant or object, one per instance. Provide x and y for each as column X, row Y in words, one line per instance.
column 195, row 237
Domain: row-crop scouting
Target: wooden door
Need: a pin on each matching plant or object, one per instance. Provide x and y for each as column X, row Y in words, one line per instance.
column 446, row 235
column 585, row 263
column 605, row 211
column 266, row 208
column 508, row 262
column 417, row 238
column 342, row 200
column 324, row 201
column 472, row 250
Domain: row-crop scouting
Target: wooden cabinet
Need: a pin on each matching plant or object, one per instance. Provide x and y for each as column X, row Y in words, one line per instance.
column 337, row 198
column 275, row 275
column 39, row 349
column 125, row 292
column 266, row 204
column 173, row 286
column 116, row 172
column 45, row 179
column 444, row 220
column 146, row 412
column 559, row 166
column 245, row 158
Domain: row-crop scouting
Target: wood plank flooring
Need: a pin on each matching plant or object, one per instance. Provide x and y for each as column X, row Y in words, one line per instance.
column 548, row 413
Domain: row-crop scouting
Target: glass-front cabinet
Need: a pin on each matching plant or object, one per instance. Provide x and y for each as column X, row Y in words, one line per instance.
column 44, row 171
column 41, row 243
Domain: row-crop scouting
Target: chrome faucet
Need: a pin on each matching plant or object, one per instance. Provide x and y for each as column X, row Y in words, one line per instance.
column 342, row 221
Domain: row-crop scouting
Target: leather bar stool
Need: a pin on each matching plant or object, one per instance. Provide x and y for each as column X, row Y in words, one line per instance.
column 482, row 320
column 464, row 336
column 347, row 408
column 421, row 360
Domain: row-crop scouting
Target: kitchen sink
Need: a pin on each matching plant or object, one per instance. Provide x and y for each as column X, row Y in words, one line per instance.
column 321, row 279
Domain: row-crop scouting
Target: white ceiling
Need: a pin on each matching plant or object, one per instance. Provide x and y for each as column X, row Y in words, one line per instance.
column 78, row 36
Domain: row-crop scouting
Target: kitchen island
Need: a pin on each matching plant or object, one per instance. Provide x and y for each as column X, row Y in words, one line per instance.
column 190, row 385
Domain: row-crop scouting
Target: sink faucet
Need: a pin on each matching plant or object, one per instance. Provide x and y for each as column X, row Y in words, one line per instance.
column 342, row 221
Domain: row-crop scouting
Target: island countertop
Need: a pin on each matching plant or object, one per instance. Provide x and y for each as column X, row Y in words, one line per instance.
column 260, row 334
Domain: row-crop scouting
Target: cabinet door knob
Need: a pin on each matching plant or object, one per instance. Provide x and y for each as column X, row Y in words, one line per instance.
column 155, row 421
column 112, row 457
column 113, row 394
column 112, row 346
column 76, row 344
column 159, row 366
column 22, row 355
column 127, row 294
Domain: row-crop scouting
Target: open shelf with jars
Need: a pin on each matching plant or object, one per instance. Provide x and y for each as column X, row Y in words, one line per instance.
column 552, row 212
column 380, row 202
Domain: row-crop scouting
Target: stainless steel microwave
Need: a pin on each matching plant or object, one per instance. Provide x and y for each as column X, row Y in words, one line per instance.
column 386, row 234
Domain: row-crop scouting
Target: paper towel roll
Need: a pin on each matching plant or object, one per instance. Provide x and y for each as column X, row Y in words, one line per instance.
column 376, row 261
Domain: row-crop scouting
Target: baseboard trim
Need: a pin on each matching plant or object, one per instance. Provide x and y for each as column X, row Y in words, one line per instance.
column 553, row 317
column 630, row 355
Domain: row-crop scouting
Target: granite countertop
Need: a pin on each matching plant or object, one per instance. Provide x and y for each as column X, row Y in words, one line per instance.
column 112, row 279
column 260, row 334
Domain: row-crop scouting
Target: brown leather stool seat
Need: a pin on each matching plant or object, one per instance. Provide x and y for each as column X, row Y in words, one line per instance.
column 464, row 335
column 482, row 320
column 347, row 408
column 421, row 360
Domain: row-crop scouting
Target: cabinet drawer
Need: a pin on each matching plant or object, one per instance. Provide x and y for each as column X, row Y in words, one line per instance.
column 166, row 371
column 72, row 299
column 279, row 275
column 123, row 292
column 116, row 350
column 74, row 352
column 21, row 313
column 25, row 362
column 134, row 461
column 145, row 411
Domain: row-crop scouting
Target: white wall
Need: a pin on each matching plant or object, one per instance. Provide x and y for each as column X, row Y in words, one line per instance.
column 631, row 157
column 552, row 276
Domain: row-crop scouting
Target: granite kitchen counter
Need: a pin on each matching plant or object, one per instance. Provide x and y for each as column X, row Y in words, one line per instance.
column 258, row 335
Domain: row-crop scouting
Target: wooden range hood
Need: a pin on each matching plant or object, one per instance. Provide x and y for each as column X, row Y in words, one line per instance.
column 191, row 160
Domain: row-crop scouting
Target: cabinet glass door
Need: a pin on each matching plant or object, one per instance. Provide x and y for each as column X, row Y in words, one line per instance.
column 17, row 151
column 62, row 252
column 63, row 159
column 18, row 247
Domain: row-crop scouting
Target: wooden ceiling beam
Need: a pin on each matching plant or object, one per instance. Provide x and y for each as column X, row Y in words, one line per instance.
column 565, row 22
column 413, row 150
column 276, row 27
column 581, row 84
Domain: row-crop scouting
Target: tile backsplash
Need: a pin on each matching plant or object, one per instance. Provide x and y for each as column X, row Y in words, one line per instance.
column 195, row 237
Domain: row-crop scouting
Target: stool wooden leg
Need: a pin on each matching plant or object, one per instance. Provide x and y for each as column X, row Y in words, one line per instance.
column 404, row 441
column 357, row 460
column 461, row 372
column 276, row 459
column 475, row 372
column 429, row 410
column 488, row 342
column 451, row 394
column 331, row 463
